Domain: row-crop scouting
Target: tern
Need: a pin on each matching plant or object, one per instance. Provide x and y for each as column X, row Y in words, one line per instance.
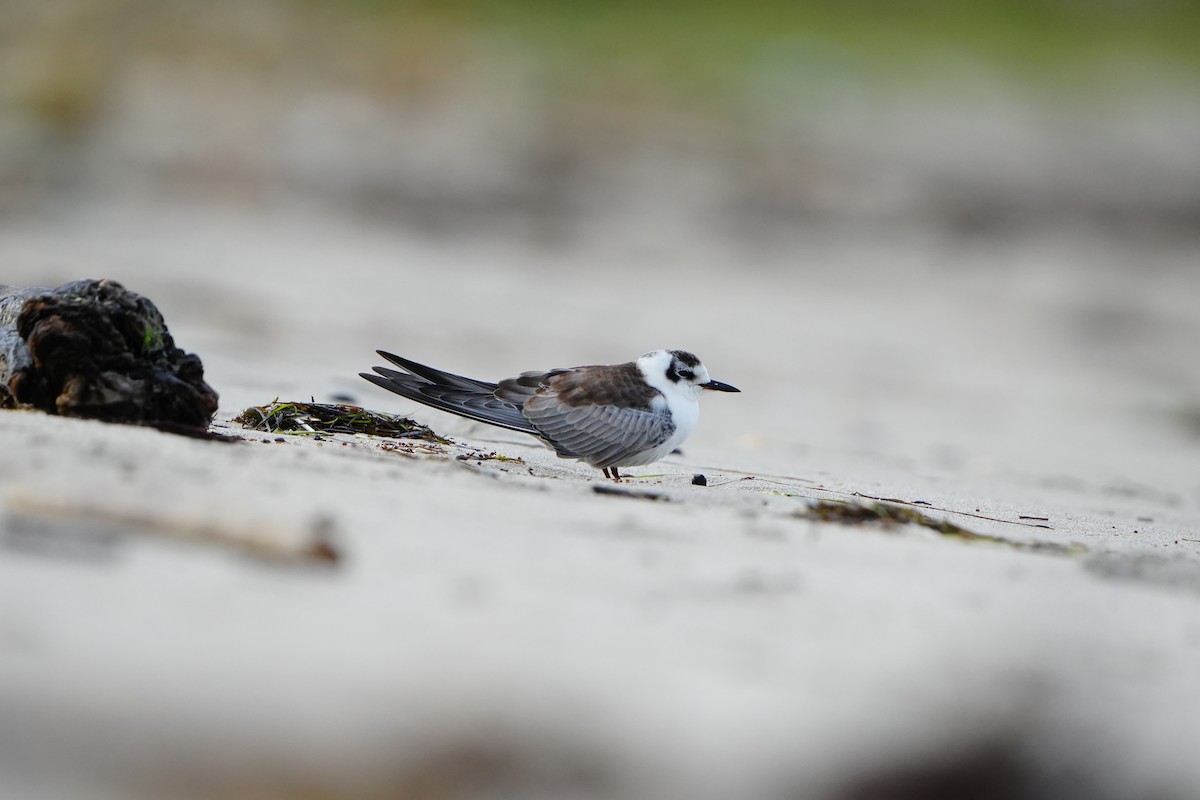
column 609, row 416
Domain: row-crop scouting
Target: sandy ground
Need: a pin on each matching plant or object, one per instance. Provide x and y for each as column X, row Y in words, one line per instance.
column 497, row 628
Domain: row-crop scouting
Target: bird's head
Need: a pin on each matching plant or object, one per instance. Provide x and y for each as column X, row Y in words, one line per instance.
column 676, row 370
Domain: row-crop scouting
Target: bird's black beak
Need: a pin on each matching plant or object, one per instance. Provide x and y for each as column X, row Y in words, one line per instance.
column 717, row 386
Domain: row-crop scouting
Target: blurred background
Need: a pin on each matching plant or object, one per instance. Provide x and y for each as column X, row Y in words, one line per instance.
column 948, row 251
column 967, row 222
column 652, row 123
column 548, row 120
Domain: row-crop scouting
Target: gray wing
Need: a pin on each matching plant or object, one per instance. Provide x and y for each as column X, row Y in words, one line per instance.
column 603, row 436
column 445, row 391
column 438, row 376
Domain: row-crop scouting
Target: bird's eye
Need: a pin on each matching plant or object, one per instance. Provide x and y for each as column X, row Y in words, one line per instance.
column 687, row 374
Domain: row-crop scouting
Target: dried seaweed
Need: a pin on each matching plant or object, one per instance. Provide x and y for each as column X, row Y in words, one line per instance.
column 889, row 516
column 479, row 456
column 320, row 418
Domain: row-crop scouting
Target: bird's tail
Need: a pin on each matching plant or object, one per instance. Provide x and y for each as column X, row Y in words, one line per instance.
column 445, row 391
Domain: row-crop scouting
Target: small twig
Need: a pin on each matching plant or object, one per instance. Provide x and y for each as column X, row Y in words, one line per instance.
column 731, row 480
column 946, row 510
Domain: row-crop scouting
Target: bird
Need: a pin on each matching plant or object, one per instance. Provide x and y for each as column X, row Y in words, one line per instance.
column 606, row 415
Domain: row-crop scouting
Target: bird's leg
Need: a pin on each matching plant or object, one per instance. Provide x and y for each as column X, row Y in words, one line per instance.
column 616, row 476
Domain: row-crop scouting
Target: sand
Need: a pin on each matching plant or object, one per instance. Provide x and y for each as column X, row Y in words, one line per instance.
column 494, row 627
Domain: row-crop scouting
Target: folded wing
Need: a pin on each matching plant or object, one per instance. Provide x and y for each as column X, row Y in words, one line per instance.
column 603, row 436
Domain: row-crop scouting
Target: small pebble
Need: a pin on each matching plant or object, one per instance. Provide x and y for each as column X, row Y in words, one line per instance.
column 699, row 480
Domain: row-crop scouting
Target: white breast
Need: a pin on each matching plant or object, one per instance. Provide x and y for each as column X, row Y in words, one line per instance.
column 680, row 400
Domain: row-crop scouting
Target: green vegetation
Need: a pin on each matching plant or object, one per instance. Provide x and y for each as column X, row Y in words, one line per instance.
column 707, row 56
column 706, row 47
column 152, row 339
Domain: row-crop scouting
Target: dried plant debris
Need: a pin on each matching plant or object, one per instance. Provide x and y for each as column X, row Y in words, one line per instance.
column 94, row 349
column 479, row 456
column 888, row 516
column 882, row 513
column 318, row 418
column 1025, row 521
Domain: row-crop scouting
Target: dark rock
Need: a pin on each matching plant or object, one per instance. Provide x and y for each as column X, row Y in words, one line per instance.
column 94, row 349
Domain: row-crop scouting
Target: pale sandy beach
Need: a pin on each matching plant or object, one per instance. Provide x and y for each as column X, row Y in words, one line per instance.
column 354, row 617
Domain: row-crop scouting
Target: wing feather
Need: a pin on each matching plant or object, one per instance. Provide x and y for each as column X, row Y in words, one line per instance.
column 435, row 375
column 600, row 435
column 473, row 403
